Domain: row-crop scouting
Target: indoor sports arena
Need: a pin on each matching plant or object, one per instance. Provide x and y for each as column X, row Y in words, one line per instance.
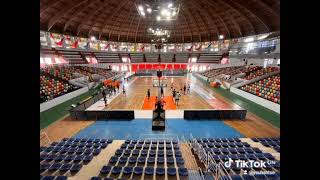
column 160, row 89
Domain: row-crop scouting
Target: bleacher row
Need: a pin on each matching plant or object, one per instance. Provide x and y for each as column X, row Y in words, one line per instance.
column 257, row 71
column 223, row 149
column 268, row 88
column 137, row 157
column 94, row 70
column 54, row 79
column 273, row 143
column 215, row 72
column 69, row 155
column 51, row 88
column 164, row 72
column 272, row 176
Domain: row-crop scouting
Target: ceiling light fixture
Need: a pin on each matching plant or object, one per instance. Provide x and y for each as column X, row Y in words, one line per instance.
column 140, row 8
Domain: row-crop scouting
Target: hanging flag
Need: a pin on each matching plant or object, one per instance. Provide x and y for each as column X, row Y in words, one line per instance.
column 107, row 46
column 142, row 48
column 209, row 45
column 190, row 48
column 199, row 47
column 87, row 46
column 75, row 44
column 59, row 43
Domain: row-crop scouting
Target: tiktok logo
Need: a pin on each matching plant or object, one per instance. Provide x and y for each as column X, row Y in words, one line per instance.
column 228, row 163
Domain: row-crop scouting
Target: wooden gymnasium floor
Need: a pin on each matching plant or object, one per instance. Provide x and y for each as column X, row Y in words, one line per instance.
column 136, row 93
column 252, row 126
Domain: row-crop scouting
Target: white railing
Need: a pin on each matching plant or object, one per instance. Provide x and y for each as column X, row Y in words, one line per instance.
column 216, row 168
column 61, row 99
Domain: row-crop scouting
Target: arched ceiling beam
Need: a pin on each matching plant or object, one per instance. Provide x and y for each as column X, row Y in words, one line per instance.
column 185, row 20
column 253, row 14
column 74, row 15
column 135, row 36
column 219, row 17
column 111, row 16
column 209, row 17
column 266, row 6
column 48, row 5
column 114, row 22
column 235, row 23
column 130, row 27
column 89, row 16
column 69, row 7
column 194, row 21
column 238, row 6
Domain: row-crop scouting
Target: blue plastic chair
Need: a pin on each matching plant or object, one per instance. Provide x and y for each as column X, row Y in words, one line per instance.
column 127, row 170
column 105, row 169
column 160, row 171
column 138, row 170
column 171, row 171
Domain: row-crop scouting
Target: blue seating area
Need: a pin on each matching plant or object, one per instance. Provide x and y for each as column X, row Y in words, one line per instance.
column 53, row 177
column 274, row 176
column 138, row 157
column 69, row 155
column 225, row 148
column 273, row 143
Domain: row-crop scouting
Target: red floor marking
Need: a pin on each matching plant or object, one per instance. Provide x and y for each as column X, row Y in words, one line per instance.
column 150, row 104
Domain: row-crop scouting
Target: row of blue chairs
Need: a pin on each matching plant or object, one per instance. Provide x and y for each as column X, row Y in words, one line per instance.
column 266, row 139
column 219, row 140
column 73, row 151
column 227, row 151
column 136, row 152
column 66, row 158
column 274, row 176
column 116, row 170
column 52, row 167
column 141, row 141
column 148, row 146
column 74, row 145
column 246, row 157
column 109, row 141
column 53, row 177
column 269, row 142
column 150, row 160
column 226, row 145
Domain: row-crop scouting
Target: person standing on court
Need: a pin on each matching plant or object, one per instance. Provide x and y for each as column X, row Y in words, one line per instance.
column 188, row 89
column 177, row 98
column 174, row 94
column 161, row 91
column 184, row 89
column 148, row 94
column 123, row 90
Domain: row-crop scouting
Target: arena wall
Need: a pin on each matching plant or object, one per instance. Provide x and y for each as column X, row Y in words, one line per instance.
column 61, row 99
column 263, row 102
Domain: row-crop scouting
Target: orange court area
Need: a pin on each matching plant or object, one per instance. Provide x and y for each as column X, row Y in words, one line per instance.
column 149, row 104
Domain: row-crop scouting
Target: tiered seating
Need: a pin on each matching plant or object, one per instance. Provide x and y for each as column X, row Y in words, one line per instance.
column 69, row 155
column 215, row 72
column 225, row 148
column 268, row 88
column 273, row 143
column 256, row 71
column 51, row 88
column 274, row 176
column 137, row 157
column 93, row 70
column 61, row 72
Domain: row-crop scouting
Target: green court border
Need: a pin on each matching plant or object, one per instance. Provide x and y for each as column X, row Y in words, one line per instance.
column 264, row 113
column 53, row 114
